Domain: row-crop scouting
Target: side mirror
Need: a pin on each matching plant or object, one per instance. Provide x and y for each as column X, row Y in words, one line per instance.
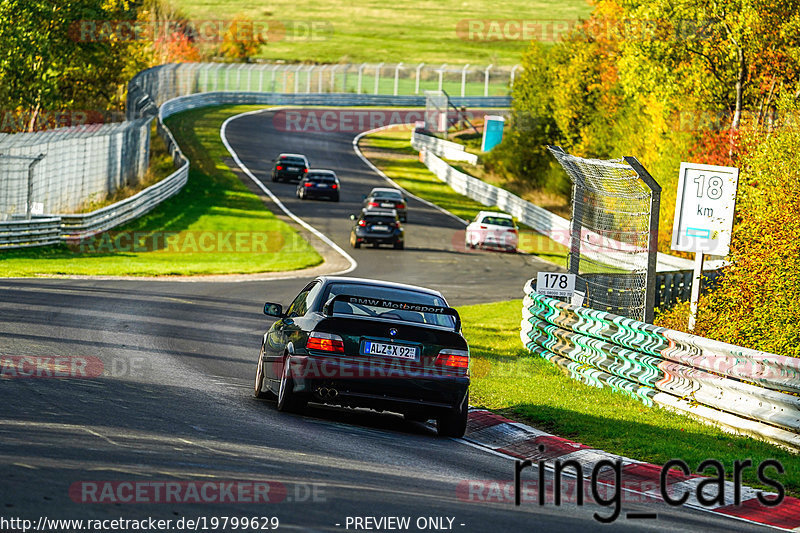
column 363, row 196
column 352, row 217
column 271, row 309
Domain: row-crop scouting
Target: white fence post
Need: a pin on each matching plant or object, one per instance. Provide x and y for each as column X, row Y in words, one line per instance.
column 486, row 81
column 396, row 76
column 360, row 74
column 464, row 80
column 419, row 67
column 441, row 73
column 378, row 76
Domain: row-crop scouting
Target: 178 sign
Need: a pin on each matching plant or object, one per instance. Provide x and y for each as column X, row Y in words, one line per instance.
column 555, row 284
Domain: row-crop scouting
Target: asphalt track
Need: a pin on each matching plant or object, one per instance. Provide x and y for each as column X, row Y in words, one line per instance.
column 173, row 402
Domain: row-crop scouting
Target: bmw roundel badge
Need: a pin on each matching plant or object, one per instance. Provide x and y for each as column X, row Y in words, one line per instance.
column 393, row 332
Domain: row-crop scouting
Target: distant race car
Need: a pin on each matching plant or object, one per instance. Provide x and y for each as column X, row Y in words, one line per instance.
column 319, row 184
column 289, row 167
column 387, row 198
column 492, row 230
column 373, row 344
column 376, row 227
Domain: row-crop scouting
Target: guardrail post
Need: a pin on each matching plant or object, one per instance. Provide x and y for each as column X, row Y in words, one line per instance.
column 419, row 67
column 652, row 241
column 397, row 76
column 464, row 80
column 486, row 81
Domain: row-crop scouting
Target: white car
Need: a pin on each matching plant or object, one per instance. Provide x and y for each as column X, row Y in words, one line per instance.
column 492, row 230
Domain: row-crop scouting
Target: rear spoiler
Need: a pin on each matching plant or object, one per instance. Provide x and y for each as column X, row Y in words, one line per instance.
column 327, row 309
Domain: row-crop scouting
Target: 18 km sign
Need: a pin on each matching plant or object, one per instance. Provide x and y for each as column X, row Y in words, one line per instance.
column 704, row 209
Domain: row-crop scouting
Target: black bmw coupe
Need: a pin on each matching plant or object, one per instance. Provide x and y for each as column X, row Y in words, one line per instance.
column 363, row 343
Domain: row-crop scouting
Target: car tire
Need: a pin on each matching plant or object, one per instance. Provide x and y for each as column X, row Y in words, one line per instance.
column 354, row 241
column 454, row 423
column 335, row 198
column 399, row 245
column 288, row 400
column 259, row 383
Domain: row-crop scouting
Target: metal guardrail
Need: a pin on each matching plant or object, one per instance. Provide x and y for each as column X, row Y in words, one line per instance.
column 442, row 148
column 38, row 231
column 743, row 390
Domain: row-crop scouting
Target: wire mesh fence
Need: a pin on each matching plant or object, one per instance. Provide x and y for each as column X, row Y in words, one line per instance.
column 169, row 81
column 612, row 233
column 79, row 165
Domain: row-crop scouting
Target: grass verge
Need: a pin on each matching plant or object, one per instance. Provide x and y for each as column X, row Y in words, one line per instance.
column 373, row 30
column 215, row 225
column 390, row 150
column 506, row 378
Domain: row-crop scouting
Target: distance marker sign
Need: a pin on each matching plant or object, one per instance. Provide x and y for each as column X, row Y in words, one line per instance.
column 704, row 209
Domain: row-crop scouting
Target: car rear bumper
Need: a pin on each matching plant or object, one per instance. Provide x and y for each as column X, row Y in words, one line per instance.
column 323, row 193
column 379, row 238
column 391, row 387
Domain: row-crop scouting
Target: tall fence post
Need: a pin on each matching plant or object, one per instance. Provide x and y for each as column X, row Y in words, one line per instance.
column 419, row 67
column 378, row 76
column 397, row 76
column 28, row 210
column 486, row 80
column 652, row 241
column 464, row 80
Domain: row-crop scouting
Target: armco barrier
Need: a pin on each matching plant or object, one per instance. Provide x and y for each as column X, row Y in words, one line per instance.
column 38, row 231
column 446, row 149
column 740, row 389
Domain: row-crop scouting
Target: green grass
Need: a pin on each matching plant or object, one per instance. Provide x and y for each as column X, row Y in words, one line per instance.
column 374, row 30
column 212, row 211
column 508, row 379
column 403, row 166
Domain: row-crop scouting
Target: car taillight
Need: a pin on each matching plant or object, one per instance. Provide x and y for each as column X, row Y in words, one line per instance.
column 374, row 204
column 455, row 359
column 279, row 167
column 362, row 223
column 483, row 227
column 308, row 184
column 305, row 170
column 334, row 186
column 514, row 231
column 325, row 342
column 401, row 205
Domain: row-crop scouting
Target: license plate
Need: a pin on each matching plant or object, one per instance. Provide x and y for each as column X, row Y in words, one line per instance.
column 322, row 185
column 380, row 228
column 389, row 350
column 293, row 169
column 387, row 204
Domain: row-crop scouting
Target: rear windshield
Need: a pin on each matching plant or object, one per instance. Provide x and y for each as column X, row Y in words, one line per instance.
column 387, row 194
column 499, row 221
column 392, row 294
column 292, row 161
column 372, row 219
column 321, row 178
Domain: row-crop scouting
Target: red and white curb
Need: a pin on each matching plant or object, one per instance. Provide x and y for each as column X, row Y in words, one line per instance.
column 506, row 437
